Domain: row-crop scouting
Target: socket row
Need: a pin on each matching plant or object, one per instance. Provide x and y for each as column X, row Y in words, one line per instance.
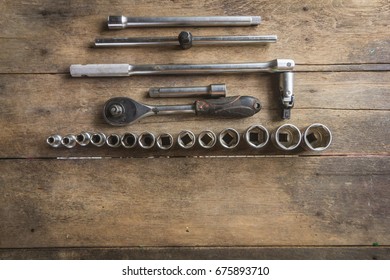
column 316, row 137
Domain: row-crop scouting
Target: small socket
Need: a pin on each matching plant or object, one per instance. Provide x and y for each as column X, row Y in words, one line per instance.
column 54, row 140
column 256, row 136
column 129, row 140
column 316, row 137
column 146, row 140
column 83, row 138
column 98, row 139
column 207, row 139
column 287, row 137
column 69, row 141
column 229, row 138
column 164, row 141
column 186, row 139
column 113, row 140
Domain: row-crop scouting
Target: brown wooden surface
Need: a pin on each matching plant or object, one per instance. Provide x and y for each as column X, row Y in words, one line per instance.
column 200, row 253
column 55, row 206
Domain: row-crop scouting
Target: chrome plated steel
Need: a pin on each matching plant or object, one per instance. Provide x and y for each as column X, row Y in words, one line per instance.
column 210, row 91
column 316, row 137
column 287, row 137
column 185, row 40
column 54, row 140
column 120, row 22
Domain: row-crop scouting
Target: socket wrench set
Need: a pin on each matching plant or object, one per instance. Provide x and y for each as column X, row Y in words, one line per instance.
column 287, row 137
column 120, row 111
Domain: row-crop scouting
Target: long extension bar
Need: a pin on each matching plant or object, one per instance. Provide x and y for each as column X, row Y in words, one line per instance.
column 120, row 22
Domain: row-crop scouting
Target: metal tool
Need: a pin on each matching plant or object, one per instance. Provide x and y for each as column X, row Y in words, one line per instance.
column 164, row 141
column 286, row 88
column 186, row 139
column 121, row 70
column 207, row 139
column 69, row 141
column 282, row 66
column 122, row 110
column 113, row 140
column 146, row 140
column 54, row 140
column 256, row 136
column 229, row 138
column 120, row 22
column 129, row 140
column 83, row 138
column 210, row 91
column 287, row 137
column 98, row 139
column 316, row 137
column 186, row 40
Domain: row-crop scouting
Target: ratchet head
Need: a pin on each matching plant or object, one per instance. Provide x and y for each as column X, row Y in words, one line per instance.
column 121, row 111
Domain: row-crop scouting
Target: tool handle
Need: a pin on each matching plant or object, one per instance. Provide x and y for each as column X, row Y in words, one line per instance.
column 234, row 106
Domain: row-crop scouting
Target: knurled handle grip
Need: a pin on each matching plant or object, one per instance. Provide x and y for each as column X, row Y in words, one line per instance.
column 234, row 106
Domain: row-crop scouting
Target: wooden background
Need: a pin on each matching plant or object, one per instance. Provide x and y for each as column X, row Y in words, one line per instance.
column 59, row 203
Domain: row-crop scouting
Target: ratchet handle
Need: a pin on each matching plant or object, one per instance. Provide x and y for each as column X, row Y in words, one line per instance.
column 234, row 106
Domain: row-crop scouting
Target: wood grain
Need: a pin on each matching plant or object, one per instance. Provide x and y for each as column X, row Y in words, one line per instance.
column 195, row 204
column 201, row 253
column 202, row 202
column 49, row 36
column 32, row 109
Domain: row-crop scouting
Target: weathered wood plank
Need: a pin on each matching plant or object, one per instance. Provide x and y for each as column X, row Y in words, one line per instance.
column 49, row 36
column 354, row 105
column 195, row 202
column 201, row 253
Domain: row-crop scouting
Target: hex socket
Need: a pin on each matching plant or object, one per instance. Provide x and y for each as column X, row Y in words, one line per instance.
column 229, row 138
column 207, row 139
column 113, row 140
column 186, row 139
column 316, row 137
column 287, row 137
column 83, row 138
column 98, row 139
column 129, row 140
column 69, row 141
column 146, row 140
column 256, row 136
column 54, row 140
column 164, row 141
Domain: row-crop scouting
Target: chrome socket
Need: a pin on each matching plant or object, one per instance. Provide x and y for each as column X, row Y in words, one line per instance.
column 83, row 138
column 186, row 139
column 69, row 141
column 98, row 139
column 113, row 140
column 229, row 138
column 207, row 139
column 54, row 140
column 146, row 140
column 164, row 141
column 316, row 137
column 287, row 137
column 256, row 136
column 129, row 140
